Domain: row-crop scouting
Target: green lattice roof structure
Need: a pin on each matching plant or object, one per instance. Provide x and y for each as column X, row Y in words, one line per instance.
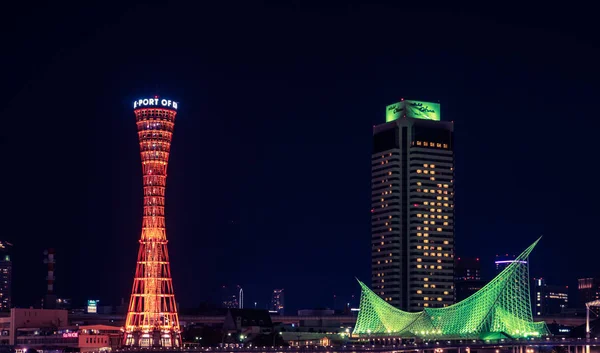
column 501, row 309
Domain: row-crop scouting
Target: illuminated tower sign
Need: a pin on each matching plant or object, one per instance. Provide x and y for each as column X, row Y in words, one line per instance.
column 152, row 319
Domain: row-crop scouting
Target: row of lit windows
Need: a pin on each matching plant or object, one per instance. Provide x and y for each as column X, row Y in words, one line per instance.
column 419, row 171
column 432, row 203
column 439, row 254
column 426, row 215
column 439, row 198
column 431, row 267
column 426, row 241
column 432, row 191
column 432, row 144
column 427, row 285
column 438, row 185
column 428, row 247
column 433, row 222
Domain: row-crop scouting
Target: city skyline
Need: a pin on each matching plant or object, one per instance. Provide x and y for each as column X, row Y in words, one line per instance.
column 271, row 164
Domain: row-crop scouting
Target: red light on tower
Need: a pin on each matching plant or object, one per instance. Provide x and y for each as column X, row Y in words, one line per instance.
column 152, row 319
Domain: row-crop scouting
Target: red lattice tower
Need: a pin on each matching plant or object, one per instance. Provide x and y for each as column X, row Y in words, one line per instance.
column 152, row 319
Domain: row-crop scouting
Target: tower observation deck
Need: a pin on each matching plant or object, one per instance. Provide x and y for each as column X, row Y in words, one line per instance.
column 152, row 319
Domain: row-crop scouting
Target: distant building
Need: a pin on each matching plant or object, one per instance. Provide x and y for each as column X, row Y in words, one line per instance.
column 589, row 290
column 230, row 298
column 467, row 277
column 63, row 303
column 503, row 261
column 248, row 321
column 48, row 330
column 5, row 276
column 548, row 299
column 278, row 301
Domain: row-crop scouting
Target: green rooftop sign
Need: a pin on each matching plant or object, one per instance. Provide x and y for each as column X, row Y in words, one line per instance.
column 412, row 109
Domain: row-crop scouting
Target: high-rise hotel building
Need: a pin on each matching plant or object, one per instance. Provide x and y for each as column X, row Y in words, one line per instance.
column 412, row 215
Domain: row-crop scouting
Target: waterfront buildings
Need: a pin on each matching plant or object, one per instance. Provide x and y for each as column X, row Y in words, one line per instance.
column 412, row 215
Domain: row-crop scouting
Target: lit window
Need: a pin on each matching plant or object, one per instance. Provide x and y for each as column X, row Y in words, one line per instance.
column 433, row 166
column 419, row 291
column 419, row 266
column 418, row 171
column 445, row 241
column 426, row 165
column 419, row 259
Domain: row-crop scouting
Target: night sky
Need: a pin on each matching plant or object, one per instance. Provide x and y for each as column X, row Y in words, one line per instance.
column 269, row 177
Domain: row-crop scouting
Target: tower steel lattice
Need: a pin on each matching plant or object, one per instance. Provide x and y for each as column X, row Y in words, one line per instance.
column 501, row 309
column 152, row 319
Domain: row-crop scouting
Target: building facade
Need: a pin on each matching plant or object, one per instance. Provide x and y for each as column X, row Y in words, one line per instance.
column 589, row 290
column 467, row 277
column 548, row 299
column 5, row 276
column 412, row 215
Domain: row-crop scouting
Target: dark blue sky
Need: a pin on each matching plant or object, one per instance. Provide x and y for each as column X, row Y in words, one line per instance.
column 269, row 178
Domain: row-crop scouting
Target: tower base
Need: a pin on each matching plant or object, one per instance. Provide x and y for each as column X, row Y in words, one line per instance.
column 155, row 338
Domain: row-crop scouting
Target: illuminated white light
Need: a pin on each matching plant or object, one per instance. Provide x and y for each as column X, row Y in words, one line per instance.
column 155, row 102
